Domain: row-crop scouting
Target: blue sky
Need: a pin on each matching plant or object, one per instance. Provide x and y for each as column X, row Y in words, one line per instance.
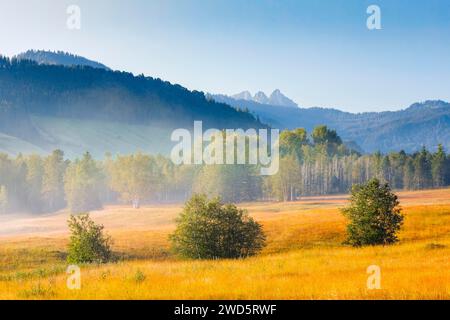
column 318, row 52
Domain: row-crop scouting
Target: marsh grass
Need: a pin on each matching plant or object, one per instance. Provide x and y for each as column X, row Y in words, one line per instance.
column 304, row 258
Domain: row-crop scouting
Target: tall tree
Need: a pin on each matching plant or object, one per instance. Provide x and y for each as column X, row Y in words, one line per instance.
column 3, row 200
column 53, row 181
column 134, row 177
column 34, row 178
column 83, row 184
column 291, row 142
column 422, row 170
column 438, row 167
column 321, row 135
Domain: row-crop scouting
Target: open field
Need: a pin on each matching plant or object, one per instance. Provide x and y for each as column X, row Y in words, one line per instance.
column 304, row 257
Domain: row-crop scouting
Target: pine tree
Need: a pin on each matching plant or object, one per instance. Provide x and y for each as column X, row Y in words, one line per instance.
column 438, row 167
column 422, row 170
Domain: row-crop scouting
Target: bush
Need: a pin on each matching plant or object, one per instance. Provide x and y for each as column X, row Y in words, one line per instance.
column 210, row 230
column 374, row 214
column 87, row 244
column 139, row 276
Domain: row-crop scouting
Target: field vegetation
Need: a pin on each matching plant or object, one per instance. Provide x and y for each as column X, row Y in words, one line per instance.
column 305, row 257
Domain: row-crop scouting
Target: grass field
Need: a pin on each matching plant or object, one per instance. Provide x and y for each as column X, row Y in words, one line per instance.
column 304, row 257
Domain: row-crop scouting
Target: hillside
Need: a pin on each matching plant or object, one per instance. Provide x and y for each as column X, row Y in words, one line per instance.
column 422, row 124
column 80, row 108
column 59, row 58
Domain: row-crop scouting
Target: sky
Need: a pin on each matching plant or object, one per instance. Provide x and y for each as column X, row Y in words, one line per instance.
column 317, row 52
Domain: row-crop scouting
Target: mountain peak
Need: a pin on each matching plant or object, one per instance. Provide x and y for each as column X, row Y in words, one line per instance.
column 245, row 95
column 277, row 98
column 59, row 58
column 261, row 97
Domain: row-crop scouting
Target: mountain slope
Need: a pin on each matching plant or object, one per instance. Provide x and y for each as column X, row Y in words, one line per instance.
column 59, row 58
column 39, row 102
column 422, row 124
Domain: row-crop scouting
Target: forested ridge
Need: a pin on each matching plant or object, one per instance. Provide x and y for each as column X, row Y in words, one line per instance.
column 311, row 164
column 82, row 92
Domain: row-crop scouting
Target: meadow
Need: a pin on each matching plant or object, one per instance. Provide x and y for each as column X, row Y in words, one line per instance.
column 304, row 259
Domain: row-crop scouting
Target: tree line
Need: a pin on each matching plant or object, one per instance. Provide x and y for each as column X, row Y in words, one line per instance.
column 310, row 164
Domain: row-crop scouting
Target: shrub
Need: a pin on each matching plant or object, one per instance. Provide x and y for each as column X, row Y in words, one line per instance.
column 139, row 276
column 374, row 214
column 88, row 243
column 210, row 230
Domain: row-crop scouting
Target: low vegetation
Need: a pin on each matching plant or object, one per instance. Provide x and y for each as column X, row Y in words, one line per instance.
column 88, row 243
column 303, row 258
column 207, row 229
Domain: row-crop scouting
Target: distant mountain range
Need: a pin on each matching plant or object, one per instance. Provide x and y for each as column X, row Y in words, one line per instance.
column 276, row 98
column 79, row 108
column 52, row 100
column 59, row 58
column 422, row 124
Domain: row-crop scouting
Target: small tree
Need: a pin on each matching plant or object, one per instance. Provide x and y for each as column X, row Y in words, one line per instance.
column 88, row 243
column 211, row 230
column 374, row 214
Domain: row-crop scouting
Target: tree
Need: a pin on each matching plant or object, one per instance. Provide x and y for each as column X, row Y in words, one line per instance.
column 422, row 170
column 447, row 171
column 88, row 243
column 35, row 172
column 210, row 230
column 397, row 161
column 53, row 181
column 291, row 142
column 374, row 214
column 133, row 177
column 233, row 183
column 3, row 200
column 286, row 183
column 438, row 167
column 82, row 184
column 408, row 174
column 321, row 135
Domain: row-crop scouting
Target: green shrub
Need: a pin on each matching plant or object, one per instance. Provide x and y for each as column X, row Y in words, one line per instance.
column 139, row 276
column 88, row 243
column 210, row 230
column 374, row 214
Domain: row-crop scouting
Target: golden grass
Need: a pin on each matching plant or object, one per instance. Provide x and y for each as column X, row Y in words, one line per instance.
column 304, row 258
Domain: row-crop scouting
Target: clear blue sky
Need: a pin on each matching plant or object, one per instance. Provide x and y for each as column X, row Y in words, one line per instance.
column 320, row 53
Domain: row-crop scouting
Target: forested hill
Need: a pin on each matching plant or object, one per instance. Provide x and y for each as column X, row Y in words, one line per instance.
column 422, row 124
column 80, row 108
column 59, row 58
